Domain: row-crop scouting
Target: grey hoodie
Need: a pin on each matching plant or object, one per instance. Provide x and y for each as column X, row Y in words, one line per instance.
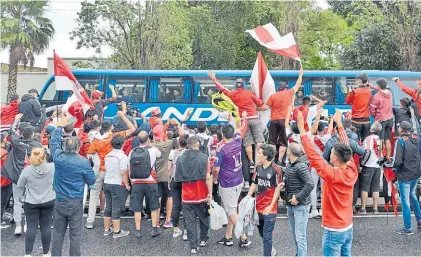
column 38, row 181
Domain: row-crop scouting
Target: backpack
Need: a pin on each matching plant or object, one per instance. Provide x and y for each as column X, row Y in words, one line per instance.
column 140, row 163
column 204, row 145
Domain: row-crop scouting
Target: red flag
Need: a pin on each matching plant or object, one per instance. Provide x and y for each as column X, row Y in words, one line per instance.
column 263, row 86
column 268, row 36
column 390, row 176
column 65, row 80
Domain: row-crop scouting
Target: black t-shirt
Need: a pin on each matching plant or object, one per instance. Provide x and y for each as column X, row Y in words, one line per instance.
column 266, row 180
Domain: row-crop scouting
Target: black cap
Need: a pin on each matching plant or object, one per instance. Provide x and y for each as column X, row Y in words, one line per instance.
column 282, row 86
column 33, row 91
column 405, row 125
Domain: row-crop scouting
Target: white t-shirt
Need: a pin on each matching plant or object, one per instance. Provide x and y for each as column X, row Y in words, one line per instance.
column 312, row 113
column 372, row 143
column 116, row 161
column 174, row 154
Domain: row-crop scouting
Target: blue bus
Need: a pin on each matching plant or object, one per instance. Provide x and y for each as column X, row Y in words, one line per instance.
column 177, row 91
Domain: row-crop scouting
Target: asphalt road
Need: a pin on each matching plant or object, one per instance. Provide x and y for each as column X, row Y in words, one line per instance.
column 373, row 236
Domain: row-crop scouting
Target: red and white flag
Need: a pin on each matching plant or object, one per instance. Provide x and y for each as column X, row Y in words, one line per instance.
column 65, row 80
column 263, row 86
column 268, row 36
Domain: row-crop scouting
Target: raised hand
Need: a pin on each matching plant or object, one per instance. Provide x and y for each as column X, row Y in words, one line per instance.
column 211, row 74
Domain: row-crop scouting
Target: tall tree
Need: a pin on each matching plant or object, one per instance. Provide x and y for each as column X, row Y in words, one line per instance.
column 25, row 32
column 141, row 34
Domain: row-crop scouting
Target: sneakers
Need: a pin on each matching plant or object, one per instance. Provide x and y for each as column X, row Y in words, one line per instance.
column 121, row 233
column 314, row 213
column 18, row 230
column 419, row 224
column 89, row 225
column 404, row 231
column 177, row 233
column 162, row 216
column 225, row 241
column 168, row 224
column 108, row 232
column 3, row 226
column 185, row 235
column 354, row 210
column 194, row 250
column 376, row 211
column 46, row 254
column 156, row 232
column 137, row 233
column 25, row 227
column 203, row 243
column 362, row 212
column 273, row 251
column 320, row 212
column 252, row 165
column 244, row 243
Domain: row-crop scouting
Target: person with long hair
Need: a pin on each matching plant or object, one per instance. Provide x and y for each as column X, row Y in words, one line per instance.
column 37, row 179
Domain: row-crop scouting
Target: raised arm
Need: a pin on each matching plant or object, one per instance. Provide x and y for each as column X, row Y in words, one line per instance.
column 113, row 93
column 350, row 97
column 299, row 81
column 241, row 125
column 122, row 115
column 407, row 90
column 320, row 102
column 218, row 85
column 13, row 132
column 288, row 117
column 330, row 128
column 316, row 122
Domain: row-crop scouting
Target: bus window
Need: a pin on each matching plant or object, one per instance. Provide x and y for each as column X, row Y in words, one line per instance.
column 204, row 88
column 128, row 89
column 50, row 93
column 397, row 92
column 172, row 90
column 321, row 88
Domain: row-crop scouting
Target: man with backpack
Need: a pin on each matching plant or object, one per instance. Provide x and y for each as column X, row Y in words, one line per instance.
column 18, row 159
column 144, row 182
column 408, row 171
column 205, row 140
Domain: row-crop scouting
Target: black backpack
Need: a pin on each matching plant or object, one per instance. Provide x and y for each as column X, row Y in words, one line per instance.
column 204, row 145
column 140, row 163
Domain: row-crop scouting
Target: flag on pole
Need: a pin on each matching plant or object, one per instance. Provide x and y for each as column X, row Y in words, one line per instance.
column 65, row 80
column 263, row 86
column 268, row 36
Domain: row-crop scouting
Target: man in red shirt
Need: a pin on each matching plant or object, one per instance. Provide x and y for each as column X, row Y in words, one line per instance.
column 338, row 185
column 360, row 99
column 279, row 103
column 245, row 101
column 412, row 92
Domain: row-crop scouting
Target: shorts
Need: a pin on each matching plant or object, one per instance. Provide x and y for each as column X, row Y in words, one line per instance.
column 229, row 198
column 386, row 132
column 370, row 179
column 254, row 133
column 115, row 200
column 277, row 133
column 363, row 130
column 139, row 192
column 163, row 190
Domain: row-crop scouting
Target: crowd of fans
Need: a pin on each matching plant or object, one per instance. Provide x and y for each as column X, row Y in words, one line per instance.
column 48, row 165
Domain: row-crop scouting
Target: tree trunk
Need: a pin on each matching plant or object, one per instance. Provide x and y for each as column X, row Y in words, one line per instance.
column 13, row 77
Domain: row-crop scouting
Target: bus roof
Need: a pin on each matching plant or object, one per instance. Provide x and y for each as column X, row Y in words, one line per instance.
column 240, row 73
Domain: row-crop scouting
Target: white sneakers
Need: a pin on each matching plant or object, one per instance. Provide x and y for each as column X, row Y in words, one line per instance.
column 18, row 230
column 314, row 213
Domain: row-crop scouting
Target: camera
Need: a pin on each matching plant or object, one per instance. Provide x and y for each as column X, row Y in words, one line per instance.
column 130, row 110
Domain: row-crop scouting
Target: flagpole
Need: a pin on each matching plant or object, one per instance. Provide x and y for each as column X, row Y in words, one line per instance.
column 54, row 60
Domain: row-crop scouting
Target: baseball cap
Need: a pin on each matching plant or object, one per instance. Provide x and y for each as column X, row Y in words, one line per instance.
column 158, row 132
column 282, row 85
column 97, row 94
column 405, row 125
column 33, row 91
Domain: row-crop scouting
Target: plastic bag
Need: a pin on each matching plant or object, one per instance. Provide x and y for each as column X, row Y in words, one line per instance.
column 218, row 218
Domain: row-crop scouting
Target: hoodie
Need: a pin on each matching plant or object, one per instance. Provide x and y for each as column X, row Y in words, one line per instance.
column 31, row 110
column 381, row 105
column 38, row 183
column 338, row 186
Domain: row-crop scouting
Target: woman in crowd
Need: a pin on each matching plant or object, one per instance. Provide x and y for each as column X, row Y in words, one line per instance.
column 37, row 179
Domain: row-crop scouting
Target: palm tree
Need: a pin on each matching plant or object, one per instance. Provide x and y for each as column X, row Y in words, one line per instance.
column 25, row 32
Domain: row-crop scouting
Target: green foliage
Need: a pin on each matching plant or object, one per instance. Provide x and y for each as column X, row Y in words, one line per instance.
column 25, row 31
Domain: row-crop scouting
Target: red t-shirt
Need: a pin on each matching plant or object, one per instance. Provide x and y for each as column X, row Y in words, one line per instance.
column 304, row 109
column 279, row 103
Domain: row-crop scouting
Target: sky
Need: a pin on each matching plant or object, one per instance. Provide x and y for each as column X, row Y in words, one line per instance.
column 63, row 14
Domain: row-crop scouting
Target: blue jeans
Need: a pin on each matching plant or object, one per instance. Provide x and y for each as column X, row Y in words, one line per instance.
column 337, row 243
column 266, row 226
column 298, row 219
column 408, row 197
